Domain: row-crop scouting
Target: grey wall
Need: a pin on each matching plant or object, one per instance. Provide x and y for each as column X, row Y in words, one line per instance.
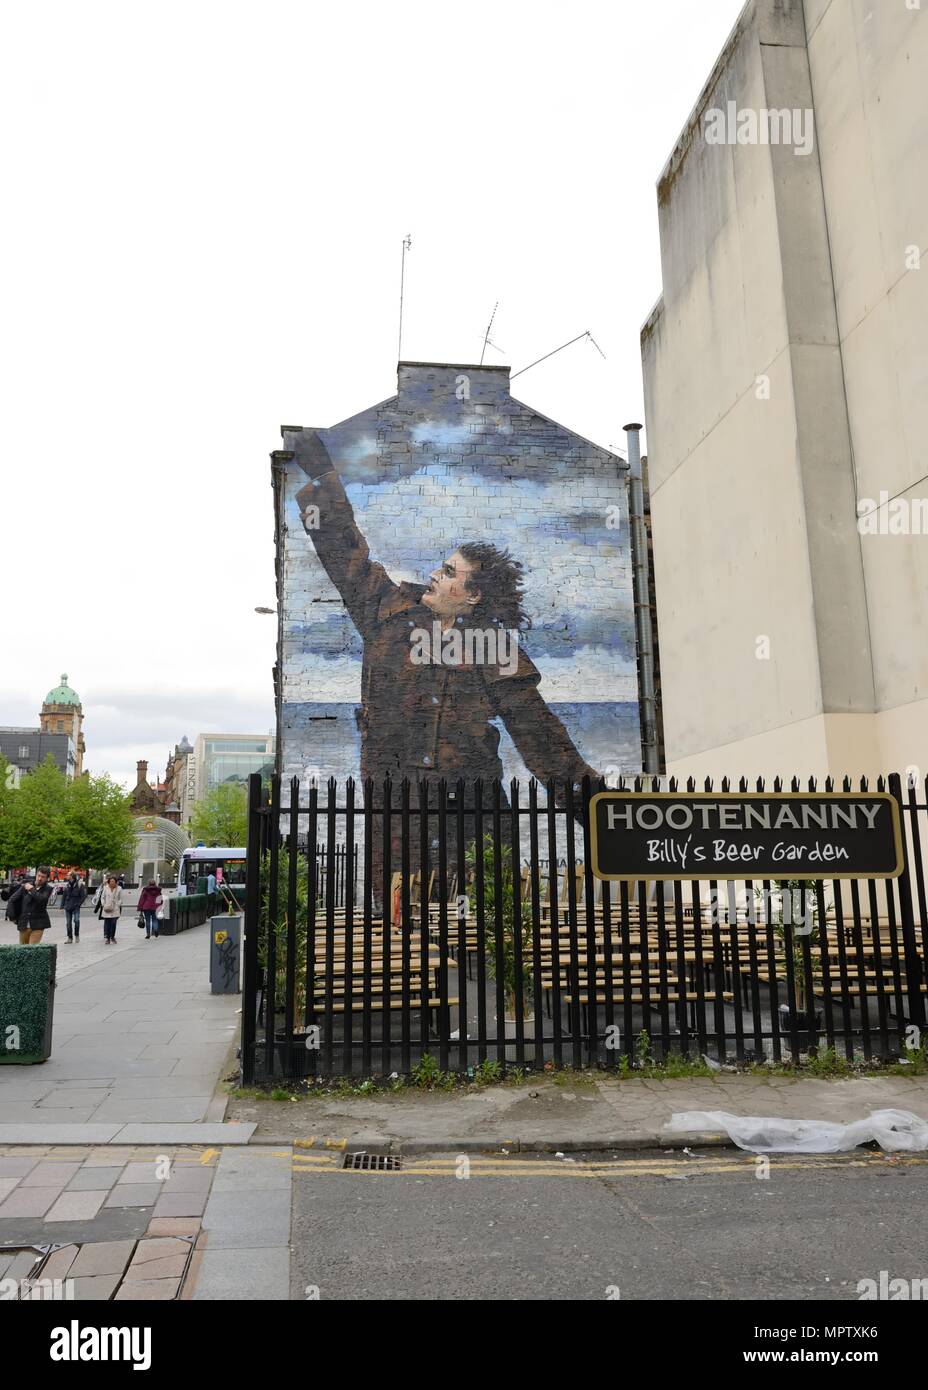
column 786, row 339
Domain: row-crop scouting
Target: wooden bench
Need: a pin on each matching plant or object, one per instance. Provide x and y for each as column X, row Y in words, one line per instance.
column 619, row 998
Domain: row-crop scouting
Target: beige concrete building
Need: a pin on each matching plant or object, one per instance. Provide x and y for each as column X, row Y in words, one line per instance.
column 786, row 389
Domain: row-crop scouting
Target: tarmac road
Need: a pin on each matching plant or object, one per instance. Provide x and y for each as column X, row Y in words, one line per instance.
column 642, row 1226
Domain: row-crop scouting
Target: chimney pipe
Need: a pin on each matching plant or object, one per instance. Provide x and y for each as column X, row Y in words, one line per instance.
column 643, row 625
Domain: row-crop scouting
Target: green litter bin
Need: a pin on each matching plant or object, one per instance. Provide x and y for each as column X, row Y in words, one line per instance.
column 27, row 999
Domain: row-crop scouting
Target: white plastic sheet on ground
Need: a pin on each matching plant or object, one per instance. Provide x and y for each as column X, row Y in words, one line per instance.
column 893, row 1130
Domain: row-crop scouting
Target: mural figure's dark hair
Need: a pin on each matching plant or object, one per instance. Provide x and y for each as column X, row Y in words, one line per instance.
column 499, row 579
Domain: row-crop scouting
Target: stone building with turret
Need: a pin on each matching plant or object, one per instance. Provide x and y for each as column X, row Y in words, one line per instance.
column 148, row 800
column 59, row 735
column 180, row 778
column 62, row 713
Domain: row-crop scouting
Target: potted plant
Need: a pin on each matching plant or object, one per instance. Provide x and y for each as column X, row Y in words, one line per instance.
column 302, row 1060
column 504, row 964
column 798, row 1013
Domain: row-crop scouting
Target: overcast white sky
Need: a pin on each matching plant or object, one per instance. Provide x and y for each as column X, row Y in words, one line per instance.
column 204, row 208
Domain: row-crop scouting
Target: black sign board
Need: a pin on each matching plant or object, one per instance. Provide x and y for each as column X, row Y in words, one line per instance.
column 756, row 835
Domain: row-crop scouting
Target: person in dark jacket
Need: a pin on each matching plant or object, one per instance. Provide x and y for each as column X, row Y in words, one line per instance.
column 442, row 662
column 149, row 901
column 33, row 918
column 430, row 718
column 13, row 898
column 71, row 899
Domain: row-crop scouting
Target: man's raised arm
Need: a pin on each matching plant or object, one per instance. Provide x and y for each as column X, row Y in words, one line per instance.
column 328, row 519
column 543, row 743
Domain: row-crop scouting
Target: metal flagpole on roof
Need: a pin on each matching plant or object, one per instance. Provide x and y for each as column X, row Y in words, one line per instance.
column 407, row 243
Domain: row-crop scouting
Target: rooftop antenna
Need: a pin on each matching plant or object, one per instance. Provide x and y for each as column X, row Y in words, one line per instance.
column 586, row 334
column 407, row 243
column 486, row 340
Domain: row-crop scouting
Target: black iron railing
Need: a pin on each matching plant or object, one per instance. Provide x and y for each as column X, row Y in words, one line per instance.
column 465, row 922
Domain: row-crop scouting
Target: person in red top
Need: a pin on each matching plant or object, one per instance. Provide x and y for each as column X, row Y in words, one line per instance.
column 150, row 900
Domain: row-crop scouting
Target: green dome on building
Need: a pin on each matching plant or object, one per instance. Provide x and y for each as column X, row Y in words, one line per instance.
column 62, row 694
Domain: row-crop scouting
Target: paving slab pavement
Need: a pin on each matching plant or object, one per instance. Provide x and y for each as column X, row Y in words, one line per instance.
column 137, row 1040
column 190, row 1222
column 96, row 1198
column 587, row 1113
column 246, row 1224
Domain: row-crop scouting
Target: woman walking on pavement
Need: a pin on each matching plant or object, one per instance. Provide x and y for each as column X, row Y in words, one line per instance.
column 74, row 894
column 149, row 902
column 33, row 908
column 110, row 904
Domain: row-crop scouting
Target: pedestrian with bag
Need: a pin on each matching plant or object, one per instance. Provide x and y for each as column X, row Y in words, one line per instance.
column 110, row 903
column 149, row 902
column 31, row 905
column 13, row 899
column 71, row 899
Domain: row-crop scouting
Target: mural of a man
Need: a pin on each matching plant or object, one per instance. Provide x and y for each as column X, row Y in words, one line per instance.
column 432, row 718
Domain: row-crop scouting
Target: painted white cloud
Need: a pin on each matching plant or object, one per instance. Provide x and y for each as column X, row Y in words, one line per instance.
column 444, row 434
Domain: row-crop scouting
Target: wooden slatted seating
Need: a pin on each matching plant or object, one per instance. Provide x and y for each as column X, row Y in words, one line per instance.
column 619, row 999
column 396, row 1002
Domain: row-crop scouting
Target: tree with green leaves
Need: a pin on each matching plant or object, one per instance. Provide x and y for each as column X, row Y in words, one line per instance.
column 33, row 815
column 97, row 829
column 221, row 816
column 9, row 782
column 47, row 819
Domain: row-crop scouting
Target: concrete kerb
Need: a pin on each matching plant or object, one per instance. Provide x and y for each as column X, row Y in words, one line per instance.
column 222, row 1136
column 378, row 1144
column 134, row 1134
column 219, row 1104
column 212, row 1137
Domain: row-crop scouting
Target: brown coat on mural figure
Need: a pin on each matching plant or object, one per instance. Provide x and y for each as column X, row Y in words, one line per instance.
column 429, row 719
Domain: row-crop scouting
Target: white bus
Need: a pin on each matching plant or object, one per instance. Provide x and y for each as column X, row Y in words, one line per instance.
column 196, row 865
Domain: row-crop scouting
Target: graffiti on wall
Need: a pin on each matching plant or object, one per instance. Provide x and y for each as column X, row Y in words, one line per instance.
column 456, row 592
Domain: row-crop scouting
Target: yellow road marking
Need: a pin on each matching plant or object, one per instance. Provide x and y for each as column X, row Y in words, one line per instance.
column 707, row 1162
column 492, row 1166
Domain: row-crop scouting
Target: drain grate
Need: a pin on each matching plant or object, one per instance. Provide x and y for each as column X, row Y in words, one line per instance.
column 372, row 1163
